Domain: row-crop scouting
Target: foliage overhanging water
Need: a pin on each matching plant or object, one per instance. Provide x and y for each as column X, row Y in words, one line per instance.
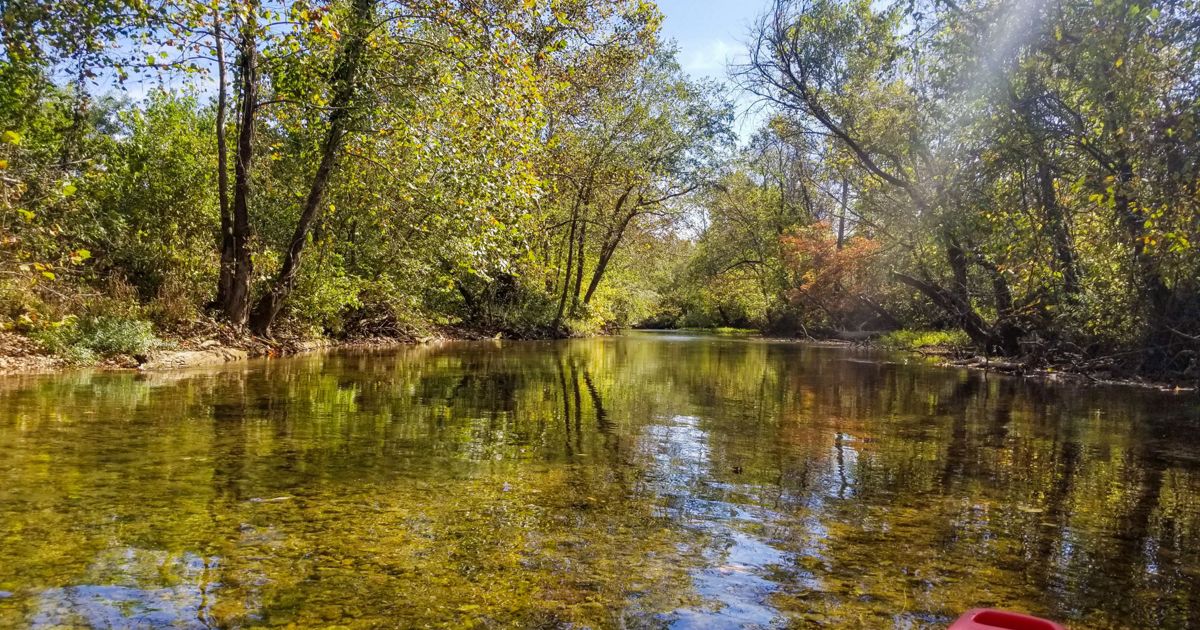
column 644, row 481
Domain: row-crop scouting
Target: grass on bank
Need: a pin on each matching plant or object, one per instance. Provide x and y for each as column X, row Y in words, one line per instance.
column 722, row 330
column 951, row 341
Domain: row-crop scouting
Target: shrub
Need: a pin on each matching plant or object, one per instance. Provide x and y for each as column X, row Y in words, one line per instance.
column 176, row 306
column 109, row 336
column 951, row 340
column 83, row 341
column 17, row 300
column 58, row 337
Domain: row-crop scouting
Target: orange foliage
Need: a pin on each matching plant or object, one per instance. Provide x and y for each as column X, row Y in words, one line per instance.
column 827, row 276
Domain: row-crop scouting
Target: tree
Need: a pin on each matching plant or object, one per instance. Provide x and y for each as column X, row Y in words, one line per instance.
column 649, row 140
column 344, row 86
column 991, row 150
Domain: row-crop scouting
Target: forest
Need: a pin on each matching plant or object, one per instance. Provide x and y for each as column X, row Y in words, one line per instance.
column 1018, row 179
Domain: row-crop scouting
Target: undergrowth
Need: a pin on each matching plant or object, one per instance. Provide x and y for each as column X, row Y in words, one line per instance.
column 87, row 340
column 946, row 340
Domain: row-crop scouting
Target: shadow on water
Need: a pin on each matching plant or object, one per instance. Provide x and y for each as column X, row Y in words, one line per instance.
column 645, row 481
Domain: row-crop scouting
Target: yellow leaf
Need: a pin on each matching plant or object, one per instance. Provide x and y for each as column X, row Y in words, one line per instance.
column 48, row 274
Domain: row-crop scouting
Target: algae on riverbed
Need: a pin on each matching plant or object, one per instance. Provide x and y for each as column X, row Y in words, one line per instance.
column 643, row 481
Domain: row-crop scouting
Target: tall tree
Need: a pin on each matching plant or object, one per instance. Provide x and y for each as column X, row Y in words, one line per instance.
column 344, row 85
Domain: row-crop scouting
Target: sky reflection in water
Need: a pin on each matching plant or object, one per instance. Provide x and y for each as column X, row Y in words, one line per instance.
column 644, row 481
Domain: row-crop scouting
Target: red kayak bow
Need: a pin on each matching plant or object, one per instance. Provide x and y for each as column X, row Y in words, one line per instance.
column 990, row 619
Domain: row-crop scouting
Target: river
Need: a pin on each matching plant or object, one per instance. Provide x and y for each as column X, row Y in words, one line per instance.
column 649, row 480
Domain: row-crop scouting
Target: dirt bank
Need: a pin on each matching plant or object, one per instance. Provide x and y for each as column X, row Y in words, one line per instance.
column 22, row 355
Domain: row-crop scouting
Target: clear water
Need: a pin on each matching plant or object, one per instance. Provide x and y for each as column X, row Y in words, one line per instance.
column 643, row 481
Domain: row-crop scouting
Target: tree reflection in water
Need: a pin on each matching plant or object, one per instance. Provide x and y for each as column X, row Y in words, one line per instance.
column 645, row 480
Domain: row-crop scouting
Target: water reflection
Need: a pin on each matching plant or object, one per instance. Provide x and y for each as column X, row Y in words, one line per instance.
column 645, row 481
column 134, row 587
column 732, row 579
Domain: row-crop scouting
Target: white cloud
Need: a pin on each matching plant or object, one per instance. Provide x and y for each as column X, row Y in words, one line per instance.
column 710, row 59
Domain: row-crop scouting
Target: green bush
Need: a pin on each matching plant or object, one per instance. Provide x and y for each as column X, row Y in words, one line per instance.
column 728, row 331
column 322, row 299
column 111, row 336
column 61, row 337
column 952, row 340
column 17, row 301
column 83, row 341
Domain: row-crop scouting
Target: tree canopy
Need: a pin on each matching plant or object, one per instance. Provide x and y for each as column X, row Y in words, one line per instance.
column 1025, row 173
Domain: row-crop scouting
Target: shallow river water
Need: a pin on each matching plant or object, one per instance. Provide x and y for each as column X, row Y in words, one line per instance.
column 644, row 481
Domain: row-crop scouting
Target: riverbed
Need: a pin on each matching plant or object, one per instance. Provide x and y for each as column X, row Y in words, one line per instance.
column 649, row 480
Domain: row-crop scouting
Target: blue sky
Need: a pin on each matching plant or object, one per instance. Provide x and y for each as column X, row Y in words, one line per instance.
column 710, row 34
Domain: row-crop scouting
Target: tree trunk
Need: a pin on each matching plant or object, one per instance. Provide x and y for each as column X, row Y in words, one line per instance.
column 1006, row 333
column 1055, row 217
column 73, row 136
column 841, row 233
column 566, row 283
column 225, row 278
column 344, row 88
column 581, row 199
column 966, row 317
column 237, row 299
column 957, row 258
column 469, row 300
column 579, row 262
column 597, row 275
column 1056, row 222
column 609, row 247
column 1154, row 288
